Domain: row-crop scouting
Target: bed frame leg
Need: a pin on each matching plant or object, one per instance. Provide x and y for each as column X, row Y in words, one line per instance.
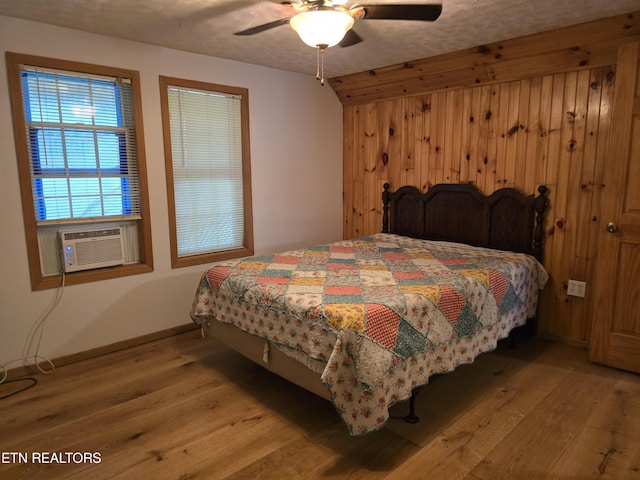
column 412, row 417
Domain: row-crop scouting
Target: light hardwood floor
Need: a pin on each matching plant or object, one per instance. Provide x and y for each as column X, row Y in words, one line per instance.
column 188, row 408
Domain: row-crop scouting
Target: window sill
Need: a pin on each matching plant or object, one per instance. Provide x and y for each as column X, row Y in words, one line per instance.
column 210, row 257
column 75, row 278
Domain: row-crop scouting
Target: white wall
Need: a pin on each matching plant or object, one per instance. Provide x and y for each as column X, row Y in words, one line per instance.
column 296, row 161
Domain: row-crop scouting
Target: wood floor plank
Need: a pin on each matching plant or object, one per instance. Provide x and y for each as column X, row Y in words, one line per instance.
column 100, row 389
column 608, row 446
column 220, row 452
column 136, row 429
column 505, row 368
column 186, row 407
column 542, row 439
column 499, row 405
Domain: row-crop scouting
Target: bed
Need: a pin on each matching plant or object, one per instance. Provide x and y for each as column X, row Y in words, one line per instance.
column 364, row 322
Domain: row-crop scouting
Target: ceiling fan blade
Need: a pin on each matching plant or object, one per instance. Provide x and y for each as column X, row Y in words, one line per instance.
column 350, row 38
column 427, row 13
column 264, row 27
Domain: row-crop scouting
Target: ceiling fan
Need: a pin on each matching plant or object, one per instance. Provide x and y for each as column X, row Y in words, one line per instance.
column 324, row 23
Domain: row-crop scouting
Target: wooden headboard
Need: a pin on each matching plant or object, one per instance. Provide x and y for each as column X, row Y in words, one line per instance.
column 505, row 220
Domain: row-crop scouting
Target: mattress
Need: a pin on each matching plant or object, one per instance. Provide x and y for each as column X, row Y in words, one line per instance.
column 375, row 316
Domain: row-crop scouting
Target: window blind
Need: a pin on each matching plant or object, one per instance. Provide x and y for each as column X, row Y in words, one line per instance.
column 206, row 146
column 82, row 145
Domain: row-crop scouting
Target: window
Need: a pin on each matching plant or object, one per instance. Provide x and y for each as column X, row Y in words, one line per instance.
column 78, row 131
column 206, row 142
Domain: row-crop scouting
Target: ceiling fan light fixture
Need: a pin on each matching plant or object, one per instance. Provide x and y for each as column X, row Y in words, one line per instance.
column 322, row 27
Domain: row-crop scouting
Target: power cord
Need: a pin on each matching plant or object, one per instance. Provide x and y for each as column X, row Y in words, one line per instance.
column 38, row 331
column 32, row 383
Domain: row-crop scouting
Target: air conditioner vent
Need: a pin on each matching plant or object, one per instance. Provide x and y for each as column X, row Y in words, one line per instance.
column 87, row 249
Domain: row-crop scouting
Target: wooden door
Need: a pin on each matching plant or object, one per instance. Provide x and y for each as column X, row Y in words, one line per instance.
column 615, row 328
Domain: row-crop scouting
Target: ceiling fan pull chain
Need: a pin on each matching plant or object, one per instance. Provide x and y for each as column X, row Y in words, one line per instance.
column 322, row 66
column 317, row 63
column 320, row 63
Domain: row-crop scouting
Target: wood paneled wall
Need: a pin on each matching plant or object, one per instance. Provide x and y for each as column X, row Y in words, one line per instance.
column 549, row 128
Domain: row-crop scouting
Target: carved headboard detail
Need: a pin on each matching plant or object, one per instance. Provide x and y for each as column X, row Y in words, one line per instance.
column 505, row 220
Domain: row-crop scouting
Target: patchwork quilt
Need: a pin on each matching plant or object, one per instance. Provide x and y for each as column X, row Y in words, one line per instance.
column 379, row 314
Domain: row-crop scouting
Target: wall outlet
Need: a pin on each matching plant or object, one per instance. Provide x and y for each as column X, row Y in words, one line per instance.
column 576, row 288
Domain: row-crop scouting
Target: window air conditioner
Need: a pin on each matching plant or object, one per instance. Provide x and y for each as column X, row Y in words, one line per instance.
column 87, row 249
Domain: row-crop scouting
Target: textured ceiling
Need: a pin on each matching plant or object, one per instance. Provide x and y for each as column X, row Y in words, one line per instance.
column 207, row 27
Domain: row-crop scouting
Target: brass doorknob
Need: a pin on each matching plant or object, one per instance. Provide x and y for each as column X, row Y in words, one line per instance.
column 612, row 227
